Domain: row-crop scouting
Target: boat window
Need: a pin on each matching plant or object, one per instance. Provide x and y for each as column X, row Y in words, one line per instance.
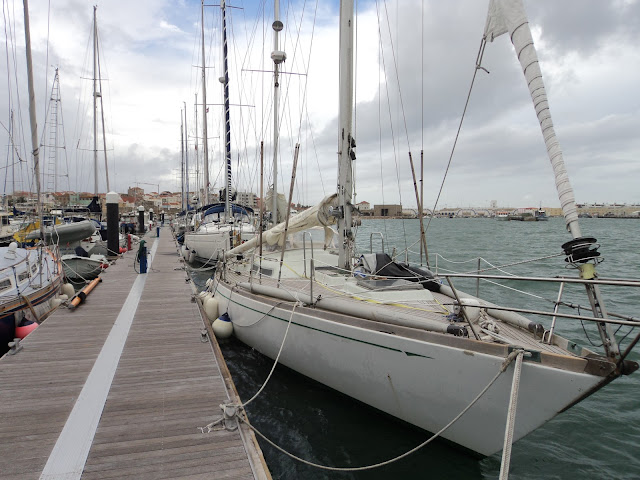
column 23, row 276
column 5, row 284
column 34, row 268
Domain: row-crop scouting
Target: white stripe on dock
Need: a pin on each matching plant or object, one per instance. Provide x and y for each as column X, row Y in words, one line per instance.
column 69, row 455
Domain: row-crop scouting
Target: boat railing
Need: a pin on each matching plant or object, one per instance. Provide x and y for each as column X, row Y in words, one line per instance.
column 304, row 251
column 478, row 269
column 13, row 265
column 371, row 241
column 311, row 261
column 622, row 319
column 548, row 335
column 455, row 262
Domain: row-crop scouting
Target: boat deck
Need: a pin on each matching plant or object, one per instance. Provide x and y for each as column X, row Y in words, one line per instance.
column 434, row 310
column 120, row 386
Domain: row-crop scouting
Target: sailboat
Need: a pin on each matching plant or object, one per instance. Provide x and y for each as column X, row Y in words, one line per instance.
column 30, row 278
column 402, row 339
column 221, row 226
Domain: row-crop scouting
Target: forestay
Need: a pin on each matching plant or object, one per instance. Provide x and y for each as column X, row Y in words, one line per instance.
column 509, row 16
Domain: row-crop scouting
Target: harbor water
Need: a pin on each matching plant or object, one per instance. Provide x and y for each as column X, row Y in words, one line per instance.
column 596, row 439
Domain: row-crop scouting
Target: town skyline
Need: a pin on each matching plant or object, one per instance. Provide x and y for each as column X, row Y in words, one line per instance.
column 500, row 154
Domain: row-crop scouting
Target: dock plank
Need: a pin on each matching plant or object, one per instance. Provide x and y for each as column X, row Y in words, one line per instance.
column 168, row 384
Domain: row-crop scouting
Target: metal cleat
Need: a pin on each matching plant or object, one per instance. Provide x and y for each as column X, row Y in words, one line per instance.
column 15, row 347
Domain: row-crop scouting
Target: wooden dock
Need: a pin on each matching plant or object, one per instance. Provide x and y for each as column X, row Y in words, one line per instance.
column 121, row 386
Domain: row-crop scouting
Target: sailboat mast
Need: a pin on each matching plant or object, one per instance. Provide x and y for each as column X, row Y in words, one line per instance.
column 32, row 113
column 95, row 104
column 13, row 157
column 182, row 161
column 186, row 157
column 277, row 27
column 205, row 145
column 34, row 127
column 197, row 159
column 55, row 97
column 227, row 120
column 104, row 135
column 345, row 139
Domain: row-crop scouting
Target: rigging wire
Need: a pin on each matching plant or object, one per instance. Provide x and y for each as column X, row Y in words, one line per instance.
column 384, row 223
column 82, row 113
column 389, row 112
column 11, row 59
column 464, row 111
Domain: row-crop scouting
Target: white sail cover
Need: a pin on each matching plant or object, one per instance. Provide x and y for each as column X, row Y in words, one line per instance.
column 318, row 216
column 509, row 16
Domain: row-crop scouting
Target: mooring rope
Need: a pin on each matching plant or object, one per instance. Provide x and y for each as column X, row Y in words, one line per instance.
column 275, row 362
column 511, row 416
column 238, row 410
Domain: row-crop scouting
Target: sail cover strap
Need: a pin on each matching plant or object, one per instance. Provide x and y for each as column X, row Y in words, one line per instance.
column 509, row 16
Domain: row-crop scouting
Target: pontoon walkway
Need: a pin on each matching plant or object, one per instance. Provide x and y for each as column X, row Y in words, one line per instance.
column 120, row 386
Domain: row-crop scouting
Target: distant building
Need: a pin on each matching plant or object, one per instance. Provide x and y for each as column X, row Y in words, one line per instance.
column 136, row 192
column 365, row 208
column 247, row 199
column 387, row 210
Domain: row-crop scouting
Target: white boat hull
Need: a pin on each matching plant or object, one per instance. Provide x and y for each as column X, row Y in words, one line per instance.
column 421, row 382
column 207, row 244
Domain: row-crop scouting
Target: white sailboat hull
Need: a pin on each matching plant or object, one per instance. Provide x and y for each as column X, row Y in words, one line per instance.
column 207, row 246
column 209, row 242
column 421, row 382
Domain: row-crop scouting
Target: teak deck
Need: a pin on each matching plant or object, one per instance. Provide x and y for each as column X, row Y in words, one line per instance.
column 166, row 384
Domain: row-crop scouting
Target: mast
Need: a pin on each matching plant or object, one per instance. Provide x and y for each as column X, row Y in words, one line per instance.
column 55, row 143
column 346, row 143
column 182, row 161
column 32, row 115
column 95, row 104
column 205, row 145
column 186, row 157
column 227, row 120
column 278, row 57
column 104, row 135
column 13, row 157
column 197, row 159
column 50, row 142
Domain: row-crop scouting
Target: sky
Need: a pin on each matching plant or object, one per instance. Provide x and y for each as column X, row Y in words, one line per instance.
column 415, row 61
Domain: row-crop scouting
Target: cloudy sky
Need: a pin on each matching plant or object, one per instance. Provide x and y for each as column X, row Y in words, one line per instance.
column 415, row 63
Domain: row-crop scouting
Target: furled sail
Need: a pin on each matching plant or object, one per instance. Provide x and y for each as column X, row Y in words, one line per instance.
column 318, row 216
column 282, row 205
column 509, row 16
